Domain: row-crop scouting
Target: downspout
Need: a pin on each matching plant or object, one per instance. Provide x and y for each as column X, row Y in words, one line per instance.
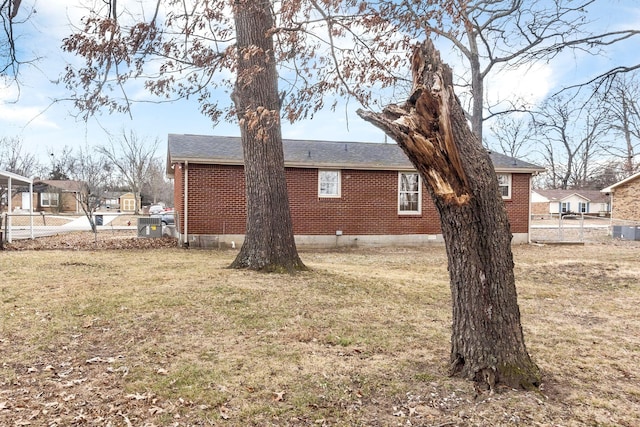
column 611, row 214
column 186, row 203
column 31, row 209
column 9, row 210
column 529, row 217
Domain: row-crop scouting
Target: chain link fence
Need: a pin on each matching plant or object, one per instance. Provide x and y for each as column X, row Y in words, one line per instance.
column 570, row 228
column 579, row 228
column 16, row 226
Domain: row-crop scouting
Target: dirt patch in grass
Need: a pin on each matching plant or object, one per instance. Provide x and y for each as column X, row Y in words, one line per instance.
column 171, row 337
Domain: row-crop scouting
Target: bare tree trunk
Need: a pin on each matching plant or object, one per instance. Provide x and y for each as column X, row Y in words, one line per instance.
column 269, row 241
column 628, row 165
column 477, row 84
column 487, row 343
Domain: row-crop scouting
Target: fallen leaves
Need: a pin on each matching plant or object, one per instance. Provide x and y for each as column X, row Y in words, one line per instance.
column 98, row 359
column 225, row 413
column 48, row 400
column 138, row 396
column 85, row 241
column 156, row 410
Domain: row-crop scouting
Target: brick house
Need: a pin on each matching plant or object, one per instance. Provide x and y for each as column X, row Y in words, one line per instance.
column 340, row 193
column 52, row 195
column 625, row 203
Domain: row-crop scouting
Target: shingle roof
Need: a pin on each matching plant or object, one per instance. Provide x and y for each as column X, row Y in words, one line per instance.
column 589, row 195
column 313, row 154
column 62, row 184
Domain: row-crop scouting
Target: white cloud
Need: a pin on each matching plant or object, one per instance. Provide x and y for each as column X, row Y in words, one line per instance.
column 528, row 84
column 15, row 114
column 26, row 116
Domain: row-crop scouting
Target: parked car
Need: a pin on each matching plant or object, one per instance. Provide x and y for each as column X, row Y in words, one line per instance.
column 156, row 209
column 167, row 218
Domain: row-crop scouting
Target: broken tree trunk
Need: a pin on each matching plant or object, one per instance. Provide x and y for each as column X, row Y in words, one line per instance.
column 487, row 343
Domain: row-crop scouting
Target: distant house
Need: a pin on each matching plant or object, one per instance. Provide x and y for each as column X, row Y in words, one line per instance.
column 625, row 198
column 340, row 193
column 550, row 203
column 110, row 200
column 52, row 195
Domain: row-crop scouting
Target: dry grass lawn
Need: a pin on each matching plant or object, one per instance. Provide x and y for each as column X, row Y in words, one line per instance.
column 171, row 337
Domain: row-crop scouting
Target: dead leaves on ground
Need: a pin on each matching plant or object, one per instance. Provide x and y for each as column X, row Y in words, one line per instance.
column 86, row 241
column 87, row 391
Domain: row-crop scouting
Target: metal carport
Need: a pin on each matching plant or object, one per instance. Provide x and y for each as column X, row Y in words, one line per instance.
column 8, row 180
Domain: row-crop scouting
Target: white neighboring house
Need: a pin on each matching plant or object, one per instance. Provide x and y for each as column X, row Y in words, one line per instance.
column 550, row 203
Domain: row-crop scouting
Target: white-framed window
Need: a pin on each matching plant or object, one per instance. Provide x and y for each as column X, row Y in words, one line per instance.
column 504, row 184
column 409, row 193
column 565, row 207
column 329, row 183
column 583, row 207
column 49, row 200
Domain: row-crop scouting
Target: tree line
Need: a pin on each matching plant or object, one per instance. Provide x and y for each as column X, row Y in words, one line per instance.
column 585, row 139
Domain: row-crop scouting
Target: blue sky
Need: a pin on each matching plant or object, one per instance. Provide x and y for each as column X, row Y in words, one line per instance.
column 45, row 127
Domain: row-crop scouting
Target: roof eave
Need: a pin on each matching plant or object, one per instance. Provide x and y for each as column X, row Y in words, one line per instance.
column 295, row 164
column 307, row 165
column 519, row 170
column 15, row 177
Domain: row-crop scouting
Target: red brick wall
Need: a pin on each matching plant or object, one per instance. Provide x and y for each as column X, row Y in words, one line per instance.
column 518, row 206
column 368, row 204
column 216, row 199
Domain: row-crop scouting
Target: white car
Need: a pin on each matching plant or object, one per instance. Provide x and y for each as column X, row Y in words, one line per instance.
column 155, row 209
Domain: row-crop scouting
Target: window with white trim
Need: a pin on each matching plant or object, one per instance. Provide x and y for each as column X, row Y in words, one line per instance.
column 504, row 184
column 409, row 193
column 49, row 200
column 583, row 207
column 329, row 183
